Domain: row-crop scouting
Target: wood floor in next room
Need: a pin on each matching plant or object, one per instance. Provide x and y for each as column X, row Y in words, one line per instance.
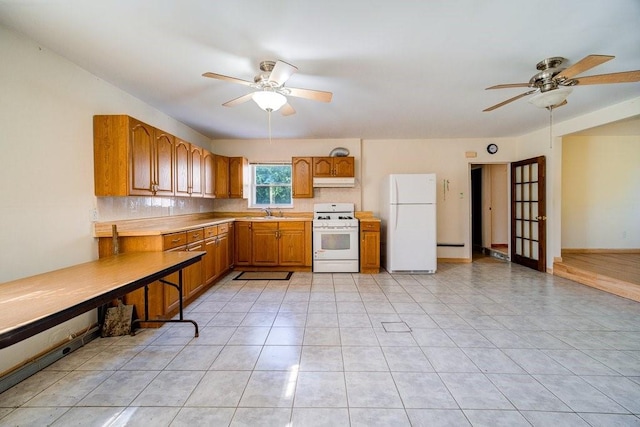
column 618, row 273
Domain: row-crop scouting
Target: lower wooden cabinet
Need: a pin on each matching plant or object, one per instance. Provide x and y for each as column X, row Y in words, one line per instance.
column 273, row 244
column 163, row 299
column 242, row 243
column 217, row 260
column 369, row 247
column 292, row 244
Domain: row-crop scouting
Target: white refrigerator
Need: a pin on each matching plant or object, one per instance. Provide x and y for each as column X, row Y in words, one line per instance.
column 409, row 220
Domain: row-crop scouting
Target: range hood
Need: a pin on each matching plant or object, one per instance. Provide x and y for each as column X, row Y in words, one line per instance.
column 339, row 182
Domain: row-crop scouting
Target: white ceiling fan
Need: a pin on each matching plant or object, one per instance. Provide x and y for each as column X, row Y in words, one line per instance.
column 271, row 94
column 552, row 84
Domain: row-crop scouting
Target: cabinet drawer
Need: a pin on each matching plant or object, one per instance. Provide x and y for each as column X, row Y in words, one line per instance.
column 210, row 231
column 173, row 240
column 223, row 228
column 195, row 235
column 264, row 225
column 369, row 226
column 291, row 225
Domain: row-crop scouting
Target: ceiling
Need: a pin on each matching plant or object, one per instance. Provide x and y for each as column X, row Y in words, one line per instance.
column 409, row 69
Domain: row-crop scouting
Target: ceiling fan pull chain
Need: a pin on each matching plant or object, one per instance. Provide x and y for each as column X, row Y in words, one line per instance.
column 269, row 114
column 550, row 127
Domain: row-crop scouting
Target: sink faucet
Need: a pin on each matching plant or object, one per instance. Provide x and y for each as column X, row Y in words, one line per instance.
column 267, row 211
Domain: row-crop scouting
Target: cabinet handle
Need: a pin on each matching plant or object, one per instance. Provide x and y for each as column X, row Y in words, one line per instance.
column 196, row 235
column 175, row 240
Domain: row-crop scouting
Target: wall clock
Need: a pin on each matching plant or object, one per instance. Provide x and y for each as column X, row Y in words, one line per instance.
column 492, row 148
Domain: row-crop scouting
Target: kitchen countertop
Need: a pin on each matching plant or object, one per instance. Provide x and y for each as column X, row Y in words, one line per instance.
column 178, row 223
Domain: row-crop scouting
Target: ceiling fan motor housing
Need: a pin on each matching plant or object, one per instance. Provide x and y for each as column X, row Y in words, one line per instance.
column 549, row 69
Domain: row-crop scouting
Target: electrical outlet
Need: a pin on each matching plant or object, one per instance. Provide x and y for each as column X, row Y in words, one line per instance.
column 93, row 213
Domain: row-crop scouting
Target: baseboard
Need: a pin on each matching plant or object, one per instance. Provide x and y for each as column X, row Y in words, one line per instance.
column 25, row 371
column 455, row 260
column 600, row 251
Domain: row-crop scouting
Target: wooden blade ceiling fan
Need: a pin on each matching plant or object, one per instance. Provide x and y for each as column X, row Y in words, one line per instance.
column 553, row 83
column 271, row 94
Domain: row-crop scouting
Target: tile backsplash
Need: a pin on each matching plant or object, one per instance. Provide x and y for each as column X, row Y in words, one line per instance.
column 133, row 207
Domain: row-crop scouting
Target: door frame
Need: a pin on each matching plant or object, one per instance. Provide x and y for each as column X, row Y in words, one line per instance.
column 482, row 165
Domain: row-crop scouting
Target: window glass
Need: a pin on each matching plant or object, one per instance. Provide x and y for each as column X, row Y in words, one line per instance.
column 271, row 185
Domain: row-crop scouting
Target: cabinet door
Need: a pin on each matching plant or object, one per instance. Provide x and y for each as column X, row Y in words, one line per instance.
column 344, row 166
column 242, row 243
column 238, row 177
column 232, row 245
column 183, row 168
column 209, row 260
column 171, row 300
column 164, row 151
column 265, row 244
column 323, row 166
column 197, row 160
column 291, row 243
column 222, row 254
column 369, row 248
column 302, row 177
column 141, row 141
column 194, row 274
column 208, row 174
column 221, row 177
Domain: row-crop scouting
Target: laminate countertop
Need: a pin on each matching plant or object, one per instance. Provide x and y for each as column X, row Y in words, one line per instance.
column 175, row 224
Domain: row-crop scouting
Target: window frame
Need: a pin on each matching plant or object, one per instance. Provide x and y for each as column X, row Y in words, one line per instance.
column 254, row 186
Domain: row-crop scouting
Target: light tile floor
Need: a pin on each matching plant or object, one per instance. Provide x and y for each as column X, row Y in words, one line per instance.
column 475, row 344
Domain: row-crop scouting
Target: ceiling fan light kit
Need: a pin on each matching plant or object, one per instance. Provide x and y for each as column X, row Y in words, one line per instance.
column 268, row 100
column 550, row 98
column 271, row 94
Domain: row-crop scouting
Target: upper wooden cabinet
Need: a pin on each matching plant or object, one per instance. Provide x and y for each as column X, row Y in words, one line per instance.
column 333, row 166
column 302, row 177
column 131, row 158
column 208, row 174
column 183, row 168
column 238, row 178
column 188, row 171
column 221, row 177
column 197, row 170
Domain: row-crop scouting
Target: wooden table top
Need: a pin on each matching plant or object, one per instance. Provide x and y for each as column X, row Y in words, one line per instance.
column 70, row 291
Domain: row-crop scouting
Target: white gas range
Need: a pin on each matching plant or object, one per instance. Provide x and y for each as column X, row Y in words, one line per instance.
column 335, row 238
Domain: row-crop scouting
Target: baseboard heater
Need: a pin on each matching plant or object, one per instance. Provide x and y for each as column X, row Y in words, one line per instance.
column 451, row 245
column 32, row 367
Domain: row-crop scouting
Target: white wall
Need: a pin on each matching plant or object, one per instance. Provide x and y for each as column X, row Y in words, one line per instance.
column 601, row 192
column 46, row 167
column 444, row 157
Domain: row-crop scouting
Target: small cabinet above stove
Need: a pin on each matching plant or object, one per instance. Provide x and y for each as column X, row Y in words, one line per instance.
column 324, row 167
column 334, row 172
column 328, row 172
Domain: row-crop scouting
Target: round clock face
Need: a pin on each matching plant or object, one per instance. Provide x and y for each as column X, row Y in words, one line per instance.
column 492, row 148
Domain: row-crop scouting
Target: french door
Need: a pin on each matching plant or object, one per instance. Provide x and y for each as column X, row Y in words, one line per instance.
column 528, row 213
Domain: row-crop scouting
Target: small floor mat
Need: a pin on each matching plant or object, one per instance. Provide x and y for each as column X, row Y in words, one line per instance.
column 264, row 275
